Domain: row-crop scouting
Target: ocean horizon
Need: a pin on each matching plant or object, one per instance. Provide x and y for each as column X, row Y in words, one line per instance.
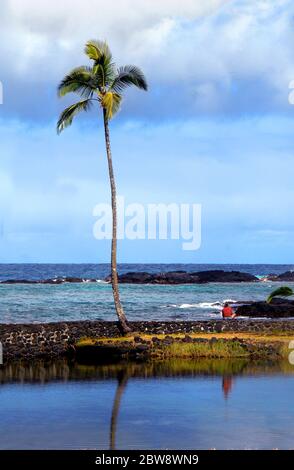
column 35, row 303
column 37, row 271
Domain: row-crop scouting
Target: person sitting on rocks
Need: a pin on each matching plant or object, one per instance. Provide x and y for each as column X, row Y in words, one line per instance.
column 228, row 312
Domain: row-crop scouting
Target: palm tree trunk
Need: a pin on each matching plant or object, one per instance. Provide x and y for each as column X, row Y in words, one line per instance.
column 114, row 277
column 122, row 383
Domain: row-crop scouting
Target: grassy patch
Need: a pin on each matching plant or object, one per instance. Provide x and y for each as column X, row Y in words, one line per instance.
column 269, row 337
column 217, row 349
column 223, row 345
column 86, row 341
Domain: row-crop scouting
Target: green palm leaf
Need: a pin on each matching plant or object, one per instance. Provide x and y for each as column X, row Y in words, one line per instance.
column 69, row 113
column 102, row 80
column 129, row 75
column 96, row 49
column 280, row 292
column 104, row 71
column 80, row 80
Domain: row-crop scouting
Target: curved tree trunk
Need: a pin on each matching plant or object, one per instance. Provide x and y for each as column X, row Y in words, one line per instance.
column 114, row 277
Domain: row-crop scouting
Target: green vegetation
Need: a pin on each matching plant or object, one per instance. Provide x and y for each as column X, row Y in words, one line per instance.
column 102, row 83
column 280, row 292
column 272, row 335
column 217, row 349
column 201, row 345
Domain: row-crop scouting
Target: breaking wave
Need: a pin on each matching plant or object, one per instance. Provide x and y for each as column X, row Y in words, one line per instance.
column 203, row 305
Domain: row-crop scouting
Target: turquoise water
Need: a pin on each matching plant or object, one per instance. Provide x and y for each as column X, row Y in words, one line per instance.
column 43, row 303
column 177, row 405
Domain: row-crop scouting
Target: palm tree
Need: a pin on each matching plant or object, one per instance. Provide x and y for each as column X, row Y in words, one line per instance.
column 283, row 291
column 103, row 83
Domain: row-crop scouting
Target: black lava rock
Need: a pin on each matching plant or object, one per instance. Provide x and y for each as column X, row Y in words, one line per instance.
column 182, row 277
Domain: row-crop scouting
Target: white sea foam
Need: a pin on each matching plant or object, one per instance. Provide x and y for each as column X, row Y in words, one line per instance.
column 214, row 305
column 203, row 305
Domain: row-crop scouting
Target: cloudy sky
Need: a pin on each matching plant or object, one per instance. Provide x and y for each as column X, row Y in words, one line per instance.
column 216, row 127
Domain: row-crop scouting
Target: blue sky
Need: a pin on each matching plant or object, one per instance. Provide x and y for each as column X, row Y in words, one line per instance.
column 216, row 128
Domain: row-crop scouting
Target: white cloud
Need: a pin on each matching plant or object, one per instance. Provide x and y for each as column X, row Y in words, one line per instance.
column 200, row 57
column 193, row 47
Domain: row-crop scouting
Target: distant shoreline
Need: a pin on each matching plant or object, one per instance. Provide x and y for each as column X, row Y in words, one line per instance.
column 166, row 277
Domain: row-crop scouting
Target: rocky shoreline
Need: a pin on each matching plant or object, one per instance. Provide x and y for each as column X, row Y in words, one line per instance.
column 54, row 340
column 171, row 277
column 183, row 277
column 278, row 308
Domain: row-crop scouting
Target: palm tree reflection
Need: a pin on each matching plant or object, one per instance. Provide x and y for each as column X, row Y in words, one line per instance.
column 122, row 378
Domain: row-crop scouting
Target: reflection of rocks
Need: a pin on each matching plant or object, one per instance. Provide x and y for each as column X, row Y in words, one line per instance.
column 278, row 308
column 182, row 277
column 64, row 370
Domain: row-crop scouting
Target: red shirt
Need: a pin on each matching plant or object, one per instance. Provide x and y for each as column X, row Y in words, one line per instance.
column 227, row 312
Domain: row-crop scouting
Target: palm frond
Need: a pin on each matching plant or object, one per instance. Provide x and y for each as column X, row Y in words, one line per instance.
column 110, row 101
column 102, row 79
column 104, row 68
column 80, row 80
column 280, row 292
column 95, row 49
column 69, row 113
column 129, row 75
column 104, row 71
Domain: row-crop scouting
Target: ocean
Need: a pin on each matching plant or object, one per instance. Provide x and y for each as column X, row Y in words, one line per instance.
column 34, row 303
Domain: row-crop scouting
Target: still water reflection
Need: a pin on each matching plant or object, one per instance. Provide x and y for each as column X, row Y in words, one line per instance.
column 199, row 404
